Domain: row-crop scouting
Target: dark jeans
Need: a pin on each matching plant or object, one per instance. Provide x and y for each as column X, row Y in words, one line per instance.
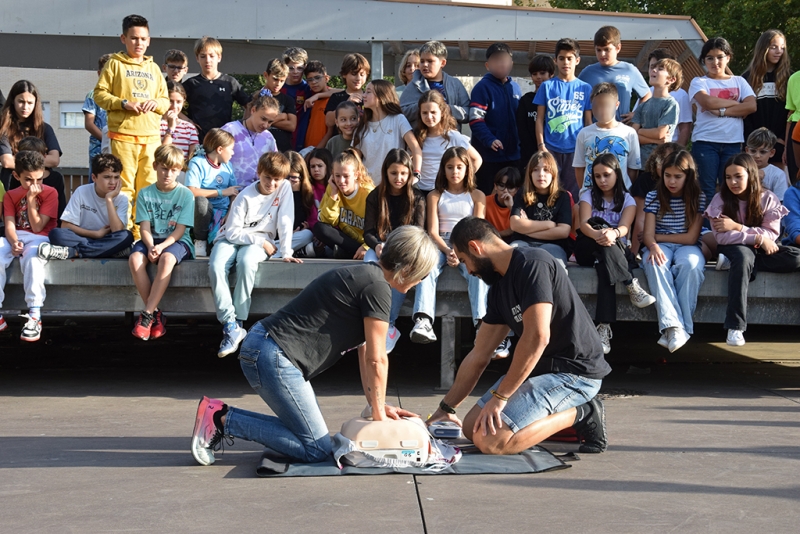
column 332, row 237
column 611, row 266
column 103, row 247
column 566, row 173
column 203, row 213
column 489, row 169
column 791, row 164
column 746, row 261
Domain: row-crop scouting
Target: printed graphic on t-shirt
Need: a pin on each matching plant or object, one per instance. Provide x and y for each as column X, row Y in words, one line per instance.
column 767, row 91
column 541, row 212
column 438, row 86
column 562, row 113
column 725, row 93
column 349, row 218
column 22, row 214
column 623, row 79
column 170, row 215
column 141, row 83
column 611, row 144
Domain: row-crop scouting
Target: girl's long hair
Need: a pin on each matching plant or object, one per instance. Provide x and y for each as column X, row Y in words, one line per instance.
column 759, row 65
column 459, row 153
column 529, row 190
column 448, row 122
column 683, row 161
column 753, row 215
column 384, row 225
column 14, row 129
column 387, row 101
column 298, row 165
column 352, row 156
column 608, row 160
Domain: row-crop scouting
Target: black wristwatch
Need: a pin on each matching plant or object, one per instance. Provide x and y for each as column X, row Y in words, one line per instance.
column 446, row 408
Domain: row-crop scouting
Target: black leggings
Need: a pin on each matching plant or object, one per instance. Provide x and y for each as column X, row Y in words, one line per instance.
column 345, row 247
column 611, row 265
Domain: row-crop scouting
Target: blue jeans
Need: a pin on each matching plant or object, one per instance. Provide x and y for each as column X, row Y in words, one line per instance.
column 675, row 284
column 543, row 395
column 710, row 159
column 555, row 250
column 298, row 431
column 236, row 306
column 299, row 241
column 425, row 298
column 397, row 297
column 102, row 247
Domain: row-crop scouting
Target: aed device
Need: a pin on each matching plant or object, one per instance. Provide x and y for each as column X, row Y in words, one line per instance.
column 397, row 439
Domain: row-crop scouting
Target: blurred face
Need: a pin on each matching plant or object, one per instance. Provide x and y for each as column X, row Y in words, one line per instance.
column 607, row 54
column 456, row 171
column 175, row 70
column 269, row 184
column 274, row 83
column 317, row 169
column 317, row 81
column 659, row 77
column 261, row 119
column 777, row 47
column 166, row 178
column 431, row 66
column 541, row 177
column 106, row 182
column 604, row 108
column 604, row 177
column 136, row 41
column 411, row 66
column 355, row 80
column 736, row 179
column 295, row 72
column 538, row 78
column 398, row 177
column 29, row 178
column 24, row 104
column 209, row 61
column 760, row 155
column 431, row 114
column 344, row 176
column 716, row 61
column 674, row 180
column 347, row 122
column 176, row 102
column 225, row 153
column 500, row 65
column 566, row 63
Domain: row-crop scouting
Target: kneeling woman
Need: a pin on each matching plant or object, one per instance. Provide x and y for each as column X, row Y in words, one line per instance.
column 337, row 312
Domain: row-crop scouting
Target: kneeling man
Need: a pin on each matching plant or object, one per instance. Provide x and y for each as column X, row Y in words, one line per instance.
column 557, row 366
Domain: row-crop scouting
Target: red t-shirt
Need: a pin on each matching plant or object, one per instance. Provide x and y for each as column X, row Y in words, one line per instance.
column 499, row 216
column 16, row 202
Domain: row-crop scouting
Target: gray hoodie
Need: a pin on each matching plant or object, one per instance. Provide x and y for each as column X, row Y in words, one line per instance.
column 457, row 97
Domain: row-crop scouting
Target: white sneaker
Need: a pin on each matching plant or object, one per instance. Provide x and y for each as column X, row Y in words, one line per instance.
column 231, row 340
column 664, row 339
column 200, row 248
column 47, row 251
column 678, row 339
column 723, row 263
column 502, row 350
column 605, row 336
column 422, row 331
column 735, row 338
column 391, row 338
column 639, row 297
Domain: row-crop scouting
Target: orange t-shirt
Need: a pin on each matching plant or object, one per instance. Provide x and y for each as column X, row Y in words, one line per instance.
column 16, row 202
column 316, row 123
column 499, row 216
column 796, row 133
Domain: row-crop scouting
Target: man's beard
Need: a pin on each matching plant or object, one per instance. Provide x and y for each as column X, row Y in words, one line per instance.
column 485, row 270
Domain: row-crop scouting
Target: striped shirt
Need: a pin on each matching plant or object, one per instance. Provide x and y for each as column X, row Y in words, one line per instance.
column 674, row 221
column 184, row 136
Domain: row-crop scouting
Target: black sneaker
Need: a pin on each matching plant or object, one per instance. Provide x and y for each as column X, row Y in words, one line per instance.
column 592, row 430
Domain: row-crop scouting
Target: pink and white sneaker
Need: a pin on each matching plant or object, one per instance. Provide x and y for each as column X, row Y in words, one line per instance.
column 3, row 323
column 206, row 436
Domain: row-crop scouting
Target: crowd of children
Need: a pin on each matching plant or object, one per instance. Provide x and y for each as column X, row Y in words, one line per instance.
column 573, row 167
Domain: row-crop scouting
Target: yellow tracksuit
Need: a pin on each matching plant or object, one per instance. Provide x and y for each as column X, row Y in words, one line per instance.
column 347, row 213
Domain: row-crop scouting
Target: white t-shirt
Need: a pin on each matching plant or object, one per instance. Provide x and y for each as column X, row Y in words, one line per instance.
column 432, row 151
column 709, row 126
column 775, row 180
column 611, row 217
column 88, row 211
column 621, row 140
column 379, row 138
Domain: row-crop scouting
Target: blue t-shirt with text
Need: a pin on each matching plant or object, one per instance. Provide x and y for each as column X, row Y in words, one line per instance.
column 565, row 104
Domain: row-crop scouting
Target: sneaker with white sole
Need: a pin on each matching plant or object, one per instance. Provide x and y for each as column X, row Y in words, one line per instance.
column 664, row 339
column 502, row 350
column 678, row 339
column 200, row 247
column 604, row 330
column 392, row 335
column 47, row 251
column 639, row 297
column 422, row 331
column 231, row 338
column 206, row 437
column 32, row 329
column 735, row 338
column 723, row 263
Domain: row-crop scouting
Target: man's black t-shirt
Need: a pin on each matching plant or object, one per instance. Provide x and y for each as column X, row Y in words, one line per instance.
column 559, row 213
column 211, row 101
column 326, row 319
column 534, row 277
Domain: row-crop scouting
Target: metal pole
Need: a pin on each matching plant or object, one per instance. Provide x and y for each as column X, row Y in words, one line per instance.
column 377, row 60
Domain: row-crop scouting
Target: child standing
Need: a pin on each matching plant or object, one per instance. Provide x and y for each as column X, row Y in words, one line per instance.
column 298, row 91
column 259, row 216
column 211, row 180
column 355, row 71
column 94, row 223
column 175, row 65
column 286, row 121
column 342, row 210
column 252, row 138
column 498, row 205
column 133, row 92
column 436, row 131
column 431, row 75
column 746, row 222
column 347, row 117
column 454, row 198
column 542, row 214
column 672, row 260
column 174, row 130
column 761, row 145
column 606, row 136
column 211, row 94
column 606, row 216
column 306, row 212
column 408, row 65
column 541, row 68
column 94, row 116
column 29, row 213
column 683, row 131
column 165, row 216
column 562, row 110
column 318, row 132
column 384, row 127
column 493, row 106
column 627, row 78
column 656, row 119
column 722, row 102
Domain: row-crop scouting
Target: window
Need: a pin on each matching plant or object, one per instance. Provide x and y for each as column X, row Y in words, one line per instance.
column 71, row 115
column 46, row 112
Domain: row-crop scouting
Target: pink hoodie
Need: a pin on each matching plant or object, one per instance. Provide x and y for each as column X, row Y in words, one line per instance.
column 770, row 226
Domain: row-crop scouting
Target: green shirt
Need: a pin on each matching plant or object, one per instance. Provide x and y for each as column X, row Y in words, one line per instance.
column 165, row 211
column 793, row 97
